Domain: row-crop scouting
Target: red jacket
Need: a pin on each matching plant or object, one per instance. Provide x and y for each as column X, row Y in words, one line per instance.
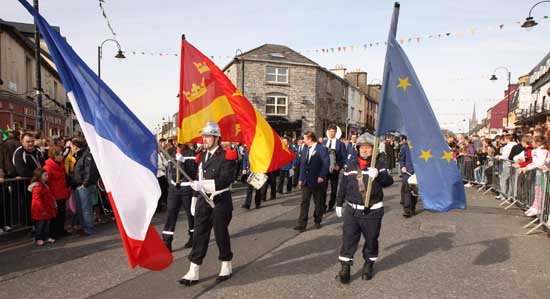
column 43, row 202
column 57, row 180
column 528, row 152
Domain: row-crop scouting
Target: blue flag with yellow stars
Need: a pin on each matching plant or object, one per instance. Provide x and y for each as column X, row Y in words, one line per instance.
column 404, row 108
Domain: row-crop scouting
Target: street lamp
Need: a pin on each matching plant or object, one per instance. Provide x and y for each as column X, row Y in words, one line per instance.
column 529, row 21
column 119, row 54
column 242, row 68
column 494, row 78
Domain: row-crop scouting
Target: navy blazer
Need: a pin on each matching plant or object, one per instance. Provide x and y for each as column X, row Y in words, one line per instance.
column 298, row 153
column 317, row 167
column 341, row 152
column 405, row 160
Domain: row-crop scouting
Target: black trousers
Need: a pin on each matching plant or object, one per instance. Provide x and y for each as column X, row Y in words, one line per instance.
column 41, row 230
column 178, row 197
column 57, row 225
column 207, row 218
column 332, row 179
column 296, row 178
column 307, row 192
column 356, row 223
column 272, row 183
column 257, row 198
column 163, row 183
column 284, row 174
column 409, row 201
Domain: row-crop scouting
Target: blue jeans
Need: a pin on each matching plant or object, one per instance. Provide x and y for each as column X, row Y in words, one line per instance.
column 84, row 208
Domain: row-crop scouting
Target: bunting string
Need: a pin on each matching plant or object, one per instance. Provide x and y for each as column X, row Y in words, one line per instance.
column 101, row 2
column 365, row 46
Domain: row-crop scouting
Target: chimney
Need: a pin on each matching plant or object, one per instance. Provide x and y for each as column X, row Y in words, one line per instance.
column 357, row 77
column 339, row 70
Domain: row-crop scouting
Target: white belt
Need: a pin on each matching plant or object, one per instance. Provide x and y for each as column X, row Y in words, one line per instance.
column 218, row 192
column 183, row 184
column 375, row 206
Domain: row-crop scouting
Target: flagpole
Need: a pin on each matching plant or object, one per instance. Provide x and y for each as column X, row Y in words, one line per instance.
column 376, row 139
column 178, row 133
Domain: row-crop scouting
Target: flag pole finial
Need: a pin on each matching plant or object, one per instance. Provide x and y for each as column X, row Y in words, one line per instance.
column 183, row 36
column 396, row 5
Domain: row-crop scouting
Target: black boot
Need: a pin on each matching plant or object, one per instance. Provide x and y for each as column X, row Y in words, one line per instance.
column 368, row 270
column 167, row 239
column 344, row 274
column 189, row 243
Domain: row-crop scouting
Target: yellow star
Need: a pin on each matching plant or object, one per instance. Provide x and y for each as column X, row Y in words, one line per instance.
column 447, row 156
column 404, row 83
column 426, row 155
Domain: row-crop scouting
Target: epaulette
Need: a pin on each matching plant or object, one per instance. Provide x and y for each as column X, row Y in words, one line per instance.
column 198, row 158
column 231, row 154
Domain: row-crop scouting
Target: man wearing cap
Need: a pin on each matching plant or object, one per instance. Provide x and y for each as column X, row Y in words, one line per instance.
column 216, row 173
column 180, row 194
column 358, row 219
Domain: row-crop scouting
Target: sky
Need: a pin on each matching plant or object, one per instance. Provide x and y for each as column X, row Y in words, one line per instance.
column 454, row 70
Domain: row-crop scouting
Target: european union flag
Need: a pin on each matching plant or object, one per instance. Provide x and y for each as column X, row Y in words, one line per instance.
column 404, row 108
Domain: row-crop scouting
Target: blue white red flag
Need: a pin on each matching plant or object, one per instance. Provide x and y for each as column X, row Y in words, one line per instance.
column 124, row 150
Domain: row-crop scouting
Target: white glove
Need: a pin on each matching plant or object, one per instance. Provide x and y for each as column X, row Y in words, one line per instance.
column 339, row 212
column 372, row 172
column 197, row 185
column 193, row 205
column 179, row 157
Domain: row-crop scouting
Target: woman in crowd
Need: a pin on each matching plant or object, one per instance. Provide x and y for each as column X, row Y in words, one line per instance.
column 42, row 206
column 57, row 181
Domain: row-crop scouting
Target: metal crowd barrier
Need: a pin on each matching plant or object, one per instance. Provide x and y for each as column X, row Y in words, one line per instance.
column 543, row 196
column 15, row 203
column 516, row 187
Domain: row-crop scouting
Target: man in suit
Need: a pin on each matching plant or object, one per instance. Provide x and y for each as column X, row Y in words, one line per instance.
column 296, row 164
column 339, row 148
column 351, row 148
column 407, row 169
column 314, row 166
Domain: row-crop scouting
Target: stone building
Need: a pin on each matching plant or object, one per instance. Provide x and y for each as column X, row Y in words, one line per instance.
column 292, row 92
column 18, row 106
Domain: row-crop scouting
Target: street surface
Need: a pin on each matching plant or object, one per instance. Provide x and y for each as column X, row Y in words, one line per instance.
column 481, row 252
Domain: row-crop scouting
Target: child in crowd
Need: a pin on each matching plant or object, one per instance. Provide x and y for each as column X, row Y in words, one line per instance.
column 42, row 207
column 540, row 160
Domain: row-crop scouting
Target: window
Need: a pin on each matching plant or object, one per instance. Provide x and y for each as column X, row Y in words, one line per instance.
column 278, row 75
column 276, row 105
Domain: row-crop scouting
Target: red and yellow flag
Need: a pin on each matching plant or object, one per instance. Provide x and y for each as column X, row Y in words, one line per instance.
column 206, row 94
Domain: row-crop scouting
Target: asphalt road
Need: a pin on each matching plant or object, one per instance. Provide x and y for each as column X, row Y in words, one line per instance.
column 480, row 252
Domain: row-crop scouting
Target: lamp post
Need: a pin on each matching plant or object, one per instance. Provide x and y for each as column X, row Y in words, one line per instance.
column 529, row 21
column 494, row 78
column 119, row 54
column 242, row 68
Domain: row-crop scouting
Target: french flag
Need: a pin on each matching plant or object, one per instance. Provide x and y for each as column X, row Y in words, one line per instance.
column 124, row 150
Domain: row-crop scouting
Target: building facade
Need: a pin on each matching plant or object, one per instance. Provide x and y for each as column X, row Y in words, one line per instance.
column 292, row 92
column 18, row 105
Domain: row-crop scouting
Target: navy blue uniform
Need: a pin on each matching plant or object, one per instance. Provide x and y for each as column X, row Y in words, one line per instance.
column 407, row 199
column 356, row 221
column 179, row 195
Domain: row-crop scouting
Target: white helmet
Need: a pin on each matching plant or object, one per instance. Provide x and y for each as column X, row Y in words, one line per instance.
column 365, row 139
column 211, row 129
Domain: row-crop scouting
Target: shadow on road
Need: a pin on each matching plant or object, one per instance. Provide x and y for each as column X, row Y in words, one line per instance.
column 309, row 257
column 413, row 249
column 49, row 255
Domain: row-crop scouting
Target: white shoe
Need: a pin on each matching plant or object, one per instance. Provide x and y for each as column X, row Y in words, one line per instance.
column 468, row 185
column 192, row 276
column 225, row 272
column 498, row 197
column 7, row 228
